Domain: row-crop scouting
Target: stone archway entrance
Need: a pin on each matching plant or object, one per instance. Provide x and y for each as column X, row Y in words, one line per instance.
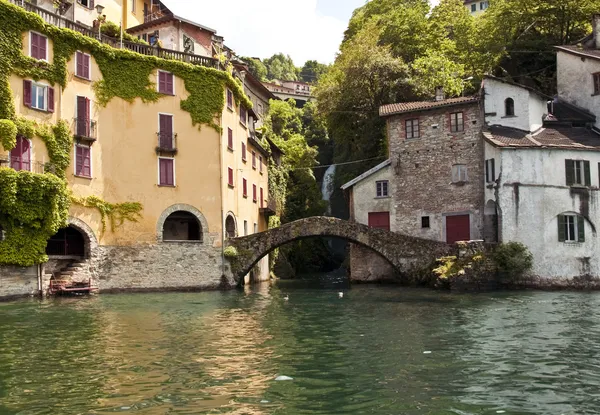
column 66, row 242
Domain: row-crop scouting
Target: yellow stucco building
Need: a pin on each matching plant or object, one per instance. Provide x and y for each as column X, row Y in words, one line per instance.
column 196, row 184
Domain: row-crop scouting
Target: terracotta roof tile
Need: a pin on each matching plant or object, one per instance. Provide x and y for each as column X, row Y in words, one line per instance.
column 405, row 107
column 566, row 138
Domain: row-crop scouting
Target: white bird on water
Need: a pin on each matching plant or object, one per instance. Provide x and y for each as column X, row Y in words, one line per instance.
column 341, row 294
column 287, row 297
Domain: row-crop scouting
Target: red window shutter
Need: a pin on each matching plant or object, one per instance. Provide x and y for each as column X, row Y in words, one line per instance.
column 35, row 50
column 262, row 198
column 20, row 156
column 82, row 117
column 253, row 160
column 254, row 192
column 230, row 138
column 79, row 71
column 245, row 187
column 86, row 67
column 260, row 162
column 166, row 130
column 79, row 161
column 379, row 220
column 230, row 176
column 27, row 93
column 243, row 151
column 229, row 99
column 42, row 45
column 86, row 170
column 169, row 83
column 161, row 82
column 50, row 99
column 167, row 172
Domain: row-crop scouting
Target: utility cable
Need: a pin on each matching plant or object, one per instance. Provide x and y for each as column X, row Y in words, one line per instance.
column 338, row 164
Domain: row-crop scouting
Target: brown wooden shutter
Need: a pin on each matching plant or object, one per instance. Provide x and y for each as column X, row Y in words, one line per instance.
column 586, row 172
column 169, row 83
column 35, row 50
column 25, row 150
column 87, row 165
column 50, row 99
column 562, row 225
column 570, row 172
column 78, row 160
column 262, row 197
column 254, row 193
column 27, row 93
column 245, row 187
column 166, row 131
column 42, row 47
column 79, row 71
column 230, row 138
column 244, row 153
column 91, row 4
column 162, row 82
column 230, row 176
column 81, row 117
column 87, row 74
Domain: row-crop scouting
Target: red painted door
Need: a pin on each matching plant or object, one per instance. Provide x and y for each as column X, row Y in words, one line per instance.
column 379, row 220
column 458, row 228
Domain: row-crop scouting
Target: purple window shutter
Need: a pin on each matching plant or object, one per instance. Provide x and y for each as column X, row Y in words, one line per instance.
column 166, row 172
column 81, row 116
column 25, row 154
column 230, row 138
column 91, row 4
column 254, row 192
column 27, row 93
column 87, row 171
column 162, row 82
column 245, row 187
column 166, row 131
column 86, row 67
column 230, row 176
column 171, row 172
column 87, row 117
column 42, row 46
column 79, row 71
column 79, row 161
column 262, row 197
column 162, row 172
column 35, row 50
column 50, row 99
column 169, row 83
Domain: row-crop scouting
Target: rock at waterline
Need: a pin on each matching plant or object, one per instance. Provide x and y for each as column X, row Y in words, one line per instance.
column 280, row 378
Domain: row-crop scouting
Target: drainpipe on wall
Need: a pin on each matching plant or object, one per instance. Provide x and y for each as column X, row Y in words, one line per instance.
column 222, row 196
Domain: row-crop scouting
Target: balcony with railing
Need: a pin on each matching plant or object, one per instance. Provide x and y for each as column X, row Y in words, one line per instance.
column 167, row 143
column 62, row 22
column 268, row 207
column 85, row 129
column 24, row 164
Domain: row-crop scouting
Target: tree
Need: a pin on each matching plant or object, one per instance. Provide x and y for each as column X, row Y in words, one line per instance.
column 256, row 68
column 312, row 71
column 280, row 66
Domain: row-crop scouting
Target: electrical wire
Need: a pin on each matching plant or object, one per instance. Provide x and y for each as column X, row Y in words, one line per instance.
column 339, row 164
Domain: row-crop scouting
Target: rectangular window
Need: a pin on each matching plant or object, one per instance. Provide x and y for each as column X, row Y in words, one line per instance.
column 83, row 163
column 254, row 193
column 473, row 7
column 596, row 78
column 230, row 139
column 382, row 188
column 165, row 83
column 244, row 152
column 165, row 132
column 82, row 65
column 578, row 173
column 571, row 228
column 490, row 170
column 229, row 99
column 260, row 164
column 38, row 46
column 83, row 122
column 230, row 176
column 244, row 188
column 243, row 115
column 457, row 122
column 245, row 228
column 412, row 128
column 254, row 160
column 166, row 172
column 425, row 224
column 86, row 3
column 38, row 96
column 459, row 173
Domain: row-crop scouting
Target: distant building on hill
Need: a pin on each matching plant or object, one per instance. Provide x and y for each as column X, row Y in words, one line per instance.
column 477, row 7
column 297, row 90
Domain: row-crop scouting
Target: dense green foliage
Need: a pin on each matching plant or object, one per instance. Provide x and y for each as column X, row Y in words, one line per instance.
column 256, row 68
column 8, row 134
column 312, row 71
column 280, row 66
column 114, row 30
column 513, row 259
column 116, row 213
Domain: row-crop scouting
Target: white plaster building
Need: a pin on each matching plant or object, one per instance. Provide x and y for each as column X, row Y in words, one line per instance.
column 476, row 7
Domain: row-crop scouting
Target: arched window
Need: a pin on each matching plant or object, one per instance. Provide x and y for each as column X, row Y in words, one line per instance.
column 182, row 226
column 509, row 107
column 230, row 227
column 20, row 156
column 67, row 241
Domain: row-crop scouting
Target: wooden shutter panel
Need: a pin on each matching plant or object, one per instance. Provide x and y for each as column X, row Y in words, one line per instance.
column 262, row 197
column 42, row 47
column 25, row 152
column 254, row 192
column 91, row 4
column 562, row 224
column 27, row 93
column 86, row 67
column 570, row 172
column 79, row 71
column 50, row 99
column 35, row 50
column 78, row 160
column 87, row 166
column 586, row 171
column 580, row 228
column 162, row 82
column 81, row 130
column 169, row 83
column 230, row 138
column 166, row 131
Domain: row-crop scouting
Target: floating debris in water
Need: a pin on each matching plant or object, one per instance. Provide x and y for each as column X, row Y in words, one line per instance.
column 278, row 378
column 500, row 412
column 427, row 352
column 263, row 401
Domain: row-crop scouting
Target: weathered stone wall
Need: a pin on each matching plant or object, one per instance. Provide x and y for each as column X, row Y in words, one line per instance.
column 368, row 266
column 422, row 171
column 18, row 282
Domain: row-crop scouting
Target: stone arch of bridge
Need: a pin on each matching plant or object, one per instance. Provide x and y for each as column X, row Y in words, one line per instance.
column 399, row 250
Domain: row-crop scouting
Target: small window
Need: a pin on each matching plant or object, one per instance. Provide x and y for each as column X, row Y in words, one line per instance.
column 596, row 77
column 425, row 224
column 243, row 152
column 230, row 176
column 482, row 6
column 165, row 83
column 490, row 170
column 382, row 188
column 87, row 3
column 245, row 228
column 82, row 65
column 20, row 156
column 229, row 99
column 230, row 139
column 459, row 173
column 83, row 163
column 457, row 122
column 473, row 7
column 38, row 96
column 38, row 46
column 571, row 228
column 509, row 107
column 578, row 173
column 412, row 128
column 166, row 171
column 244, row 188
column 260, row 164
column 254, row 193
column 254, row 160
column 243, row 115
column 256, row 228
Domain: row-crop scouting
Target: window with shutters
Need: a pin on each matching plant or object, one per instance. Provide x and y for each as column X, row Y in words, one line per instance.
column 254, row 160
column 38, row 46
column 244, row 187
column 457, row 123
column 83, row 122
column 459, row 173
column 490, row 170
column 229, row 99
column 571, row 228
column 473, row 7
column 38, row 96
column 20, row 156
column 165, row 83
column 577, row 173
column 262, row 198
column 596, row 80
column 412, row 128
column 382, row 188
column 243, row 152
column 254, row 193
column 166, row 171
column 230, row 139
column 260, row 164
column 82, row 65
column 166, row 137
column 87, row 3
column 83, row 161
column 230, row 176
column 243, row 115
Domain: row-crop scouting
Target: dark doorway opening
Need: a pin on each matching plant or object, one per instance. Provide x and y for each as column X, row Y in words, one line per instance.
column 230, row 227
column 182, row 226
column 67, row 242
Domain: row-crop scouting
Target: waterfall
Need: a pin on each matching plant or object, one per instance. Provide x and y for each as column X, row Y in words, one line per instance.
column 327, row 186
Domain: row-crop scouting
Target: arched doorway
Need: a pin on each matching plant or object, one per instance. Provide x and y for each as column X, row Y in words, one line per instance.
column 181, row 226
column 490, row 222
column 67, row 241
column 230, row 227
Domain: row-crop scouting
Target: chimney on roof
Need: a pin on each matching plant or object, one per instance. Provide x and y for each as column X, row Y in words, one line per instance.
column 439, row 93
column 596, row 30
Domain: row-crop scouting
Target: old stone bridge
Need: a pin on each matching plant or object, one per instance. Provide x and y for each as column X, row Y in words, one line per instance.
column 406, row 254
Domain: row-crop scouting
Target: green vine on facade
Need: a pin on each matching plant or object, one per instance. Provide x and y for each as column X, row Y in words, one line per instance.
column 115, row 213
column 8, row 134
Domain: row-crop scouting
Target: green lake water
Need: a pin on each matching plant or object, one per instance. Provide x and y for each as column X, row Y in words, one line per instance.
column 377, row 350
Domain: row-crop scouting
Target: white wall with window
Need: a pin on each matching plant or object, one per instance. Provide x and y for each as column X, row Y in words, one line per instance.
column 549, row 200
